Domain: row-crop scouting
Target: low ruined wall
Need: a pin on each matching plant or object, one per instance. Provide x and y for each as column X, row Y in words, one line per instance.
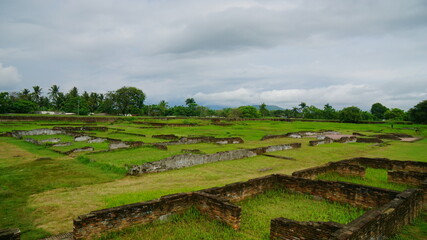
column 94, row 224
column 412, row 178
column 187, row 160
column 356, row 166
column 10, row 234
column 195, row 140
column 321, row 141
column 36, row 132
column 385, row 221
column 393, row 209
column 388, row 164
column 82, row 128
column 353, row 194
column 369, row 140
column 300, row 134
column 218, row 209
column 119, row 145
column 343, row 169
column 239, row 191
column 282, row 228
column 166, row 136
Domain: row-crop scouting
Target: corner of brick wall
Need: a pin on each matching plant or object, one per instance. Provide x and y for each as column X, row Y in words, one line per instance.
column 218, row 209
column 386, row 220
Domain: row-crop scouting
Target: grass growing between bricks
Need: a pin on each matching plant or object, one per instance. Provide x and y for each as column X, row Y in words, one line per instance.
column 373, row 177
column 256, row 215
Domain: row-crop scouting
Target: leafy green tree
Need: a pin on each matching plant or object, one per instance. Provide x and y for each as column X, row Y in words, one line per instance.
column 367, row 116
column 263, row 110
column 128, row 100
column 36, row 95
column 329, row 112
column 44, row 103
column 5, row 102
column 350, row 114
column 235, row 113
column 249, row 112
column 163, row 107
column 24, row 95
column 395, row 114
column 312, row 112
column 418, row 113
column 179, row 111
column 94, row 101
column 23, row 106
column 72, row 101
column 378, row 110
column 192, row 107
column 57, row 98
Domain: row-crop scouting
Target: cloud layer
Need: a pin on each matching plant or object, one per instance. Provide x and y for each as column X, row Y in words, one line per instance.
column 280, row 52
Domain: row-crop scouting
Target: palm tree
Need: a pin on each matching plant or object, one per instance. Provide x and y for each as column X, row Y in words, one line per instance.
column 54, row 96
column 24, row 94
column 53, row 92
column 37, row 92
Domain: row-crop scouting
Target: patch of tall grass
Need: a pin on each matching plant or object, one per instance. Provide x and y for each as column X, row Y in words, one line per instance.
column 373, row 177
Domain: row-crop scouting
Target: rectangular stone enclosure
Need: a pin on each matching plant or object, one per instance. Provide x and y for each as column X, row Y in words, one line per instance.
column 390, row 210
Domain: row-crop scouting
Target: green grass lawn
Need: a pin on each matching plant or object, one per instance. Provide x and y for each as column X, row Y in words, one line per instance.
column 373, row 177
column 43, row 196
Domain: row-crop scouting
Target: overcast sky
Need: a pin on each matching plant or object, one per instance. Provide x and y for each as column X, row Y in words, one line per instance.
column 221, row 52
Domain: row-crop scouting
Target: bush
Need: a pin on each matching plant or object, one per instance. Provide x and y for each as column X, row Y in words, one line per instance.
column 350, row 114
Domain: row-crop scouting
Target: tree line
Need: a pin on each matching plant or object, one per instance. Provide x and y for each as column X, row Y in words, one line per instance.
column 130, row 100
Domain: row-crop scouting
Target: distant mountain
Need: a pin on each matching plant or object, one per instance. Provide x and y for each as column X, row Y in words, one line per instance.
column 215, row 107
column 270, row 107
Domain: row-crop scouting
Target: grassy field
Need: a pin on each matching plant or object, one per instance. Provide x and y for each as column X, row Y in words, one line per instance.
column 43, row 196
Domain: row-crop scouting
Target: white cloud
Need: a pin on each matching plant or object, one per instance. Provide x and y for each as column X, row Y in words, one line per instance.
column 9, row 77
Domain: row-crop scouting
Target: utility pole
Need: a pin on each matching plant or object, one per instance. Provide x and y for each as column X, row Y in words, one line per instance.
column 78, row 106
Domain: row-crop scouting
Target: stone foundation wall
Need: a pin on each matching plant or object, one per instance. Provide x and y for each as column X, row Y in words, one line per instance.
column 392, row 209
column 322, row 141
column 218, row 209
column 82, row 128
column 341, row 168
column 36, row 132
column 385, row 221
column 388, row 164
column 282, row 228
column 187, row 160
column 195, row 140
column 95, row 223
column 356, row 167
column 239, row 191
column 369, row 140
column 410, row 177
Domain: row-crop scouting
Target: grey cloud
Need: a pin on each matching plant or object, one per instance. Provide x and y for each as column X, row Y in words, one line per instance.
column 173, row 50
